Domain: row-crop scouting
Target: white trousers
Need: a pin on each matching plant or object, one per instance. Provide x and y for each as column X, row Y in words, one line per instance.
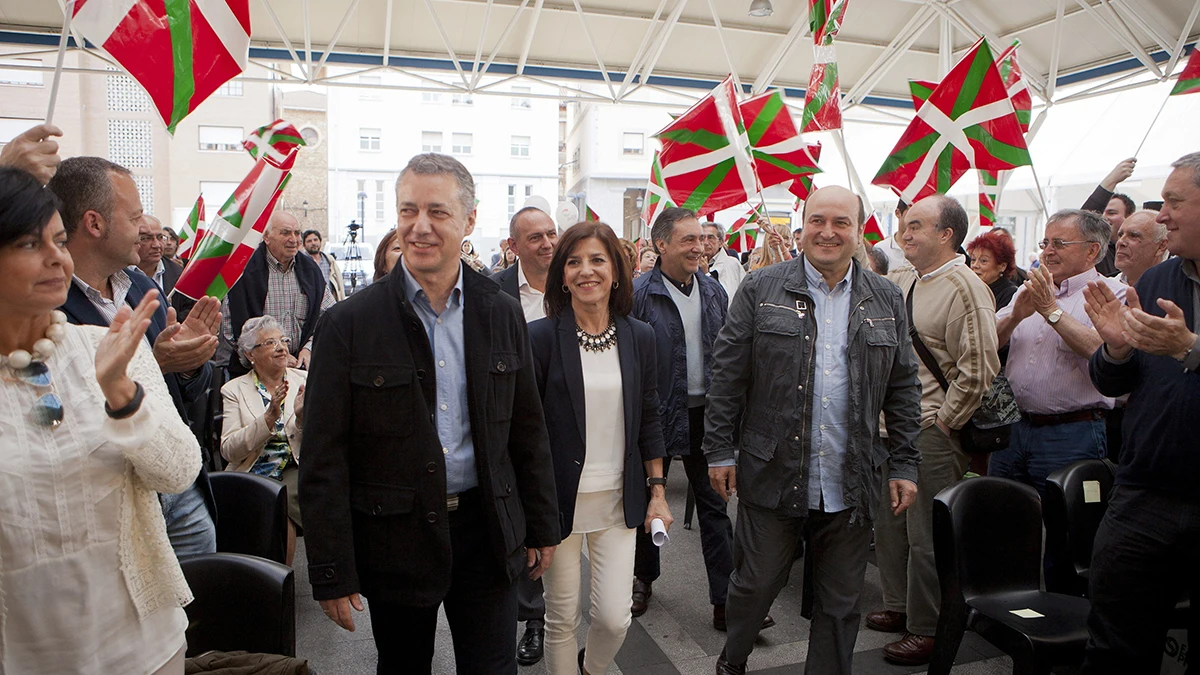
column 610, row 553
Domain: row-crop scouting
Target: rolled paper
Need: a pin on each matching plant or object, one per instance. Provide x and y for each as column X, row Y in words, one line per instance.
column 658, row 532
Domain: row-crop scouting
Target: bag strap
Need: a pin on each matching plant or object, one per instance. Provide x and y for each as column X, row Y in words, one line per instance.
column 922, row 351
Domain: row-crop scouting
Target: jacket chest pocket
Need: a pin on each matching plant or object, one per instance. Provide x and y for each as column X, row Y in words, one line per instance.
column 881, row 340
column 779, row 335
column 502, row 383
column 382, row 397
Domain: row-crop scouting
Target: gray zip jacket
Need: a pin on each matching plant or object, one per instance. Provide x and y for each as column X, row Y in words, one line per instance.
column 760, row 401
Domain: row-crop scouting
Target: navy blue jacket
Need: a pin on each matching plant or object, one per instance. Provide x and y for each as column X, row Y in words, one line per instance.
column 652, row 304
column 507, row 278
column 560, row 380
column 185, row 393
column 1159, row 431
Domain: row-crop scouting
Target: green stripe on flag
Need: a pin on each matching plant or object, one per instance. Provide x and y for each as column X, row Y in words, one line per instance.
column 985, row 213
column 218, row 288
column 706, row 187
column 782, row 164
column 973, row 82
column 944, row 168
column 179, row 21
column 1009, row 154
column 765, row 117
column 909, row 153
column 701, row 137
column 1189, row 86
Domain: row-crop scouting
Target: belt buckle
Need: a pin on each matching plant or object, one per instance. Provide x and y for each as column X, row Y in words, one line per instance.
column 452, row 502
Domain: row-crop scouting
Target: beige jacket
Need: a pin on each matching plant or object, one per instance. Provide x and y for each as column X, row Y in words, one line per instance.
column 244, row 433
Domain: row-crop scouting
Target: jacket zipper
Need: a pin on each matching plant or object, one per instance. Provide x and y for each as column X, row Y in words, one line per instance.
column 882, row 318
column 799, row 309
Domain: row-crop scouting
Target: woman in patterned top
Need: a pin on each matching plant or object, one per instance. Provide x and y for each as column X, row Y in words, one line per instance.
column 264, row 413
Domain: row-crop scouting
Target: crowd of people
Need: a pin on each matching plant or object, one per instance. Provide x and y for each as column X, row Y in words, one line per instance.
column 468, row 429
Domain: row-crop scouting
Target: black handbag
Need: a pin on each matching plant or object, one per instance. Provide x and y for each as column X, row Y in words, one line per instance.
column 988, row 429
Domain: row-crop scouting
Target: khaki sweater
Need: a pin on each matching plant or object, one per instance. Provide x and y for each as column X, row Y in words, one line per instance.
column 955, row 315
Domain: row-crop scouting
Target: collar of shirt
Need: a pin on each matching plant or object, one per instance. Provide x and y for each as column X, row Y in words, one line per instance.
column 816, row 280
column 522, row 282
column 1077, row 283
column 1190, row 271
column 684, row 287
column 274, row 263
column 956, row 261
column 414, row 292
column 120, row 282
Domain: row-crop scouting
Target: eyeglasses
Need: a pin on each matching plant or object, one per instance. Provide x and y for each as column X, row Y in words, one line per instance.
column 1059, row 244
column 147, row 238
column 48, row 408
column 272, row 343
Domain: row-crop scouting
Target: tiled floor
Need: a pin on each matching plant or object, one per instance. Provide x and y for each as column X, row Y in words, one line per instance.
column 674, row 637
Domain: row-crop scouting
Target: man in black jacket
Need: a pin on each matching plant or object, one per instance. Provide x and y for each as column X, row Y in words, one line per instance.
column 427, row 477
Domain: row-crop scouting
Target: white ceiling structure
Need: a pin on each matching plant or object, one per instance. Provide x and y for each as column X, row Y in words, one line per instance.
column 627, row 50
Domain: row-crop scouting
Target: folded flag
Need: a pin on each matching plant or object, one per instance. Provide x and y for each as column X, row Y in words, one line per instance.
column 590, row 215
column 276, row 139
column 1015, row 85
column 192, row 230
column 180, row 51
column 989, row 188
column 802, row 187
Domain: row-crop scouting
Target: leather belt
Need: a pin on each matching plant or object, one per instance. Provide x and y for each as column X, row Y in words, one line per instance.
column 1089, row 415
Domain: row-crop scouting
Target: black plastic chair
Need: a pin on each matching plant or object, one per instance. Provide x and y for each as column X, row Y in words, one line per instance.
column 253, row 515
column 987, row 538
column 242, row 603
column 1072, row 520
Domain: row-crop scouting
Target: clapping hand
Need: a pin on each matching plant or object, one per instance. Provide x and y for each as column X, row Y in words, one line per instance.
column 1157, row 335
column 1104, row 309
column 116, row 350
column 275, row 409
column 184, row 347
column 1040, row 288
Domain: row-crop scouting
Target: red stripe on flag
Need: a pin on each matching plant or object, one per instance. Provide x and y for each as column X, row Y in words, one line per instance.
column 213, row 66
column 146, row 54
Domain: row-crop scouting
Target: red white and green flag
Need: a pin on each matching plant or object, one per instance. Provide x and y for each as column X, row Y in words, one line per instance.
column 1189, row 79
column 825, row 19
column 743, row 235
column 192, row 231
column 706, row 159
column 967, row 122
column 1015, row 85
column 276, row 140
column 802, row 187
column 871, row 230
column 590, row 215
column 989, row 192
column 780, row 154
column 822, row 98
column 657, row 197
column 180, row 51
column 235, row 232
column 921, row 91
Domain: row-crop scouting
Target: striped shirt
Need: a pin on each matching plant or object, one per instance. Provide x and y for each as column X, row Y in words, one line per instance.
column 1047, row 376
column 285, row 302
column 121, row 283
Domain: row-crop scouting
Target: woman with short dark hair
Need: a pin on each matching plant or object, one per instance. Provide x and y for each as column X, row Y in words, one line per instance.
column 386, row 255
column 596, row 370
column 89, row 583
column 994, row 261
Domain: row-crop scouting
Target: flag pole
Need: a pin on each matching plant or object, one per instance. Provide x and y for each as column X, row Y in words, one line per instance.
column 68, row 10
column 1152, row 123
column 854, row 178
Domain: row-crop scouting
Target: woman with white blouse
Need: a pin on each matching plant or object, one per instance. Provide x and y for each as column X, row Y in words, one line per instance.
column 88, row 435
column 596, row 370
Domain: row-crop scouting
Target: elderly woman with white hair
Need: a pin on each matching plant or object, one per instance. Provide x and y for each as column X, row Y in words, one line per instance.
column 264, row 413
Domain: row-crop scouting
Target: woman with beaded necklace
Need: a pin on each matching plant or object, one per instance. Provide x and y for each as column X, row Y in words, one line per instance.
column 88, row 435
column 596, row 370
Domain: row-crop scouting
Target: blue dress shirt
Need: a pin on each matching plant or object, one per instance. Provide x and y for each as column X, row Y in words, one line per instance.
column 451, row 416
column 829, row 436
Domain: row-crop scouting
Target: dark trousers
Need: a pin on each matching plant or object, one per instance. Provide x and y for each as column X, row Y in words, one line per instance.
column 531, row 604
column 481, row 608
column 716, row 530
column 1146, row 555
column 763, row 553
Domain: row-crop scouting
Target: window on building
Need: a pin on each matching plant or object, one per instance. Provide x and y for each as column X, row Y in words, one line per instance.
column 18, row 77
column 431, row 97
column 528, row 191
column 519, row 146
column 519, row 101
column 216, row 193
column 123, row 93
column 129, row 143
column 379, row 197
column 512, row 201
column 431, row 141
column 221, row 139
column 633, row 143
column 370, row 92
column 460, row 144
column 462, row 99
column 230, row 88
column 368, row 139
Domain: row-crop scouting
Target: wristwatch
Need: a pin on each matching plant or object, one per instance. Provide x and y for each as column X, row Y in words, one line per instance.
column 656, row 480
column 1053, row 317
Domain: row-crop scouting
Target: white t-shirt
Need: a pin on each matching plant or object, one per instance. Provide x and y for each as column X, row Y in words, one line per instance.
column 532, row 300
column 604, row 406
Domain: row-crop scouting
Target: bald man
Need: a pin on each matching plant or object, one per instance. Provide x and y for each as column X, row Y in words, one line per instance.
column 1141, row 244
column 278, row 283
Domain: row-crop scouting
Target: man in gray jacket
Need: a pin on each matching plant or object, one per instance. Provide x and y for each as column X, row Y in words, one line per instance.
column 813, row 349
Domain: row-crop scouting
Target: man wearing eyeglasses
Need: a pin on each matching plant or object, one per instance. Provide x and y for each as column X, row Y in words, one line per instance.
column 1050, row 340
column 151, row 240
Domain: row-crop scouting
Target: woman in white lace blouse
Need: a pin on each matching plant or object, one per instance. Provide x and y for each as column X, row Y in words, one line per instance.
column 88, row 434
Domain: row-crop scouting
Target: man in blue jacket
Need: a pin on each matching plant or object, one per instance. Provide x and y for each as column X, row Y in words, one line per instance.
column 1147, row 550
column 686, row 310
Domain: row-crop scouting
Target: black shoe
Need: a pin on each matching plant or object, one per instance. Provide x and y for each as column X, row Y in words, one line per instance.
column 726, row 668
column 641, row 595
column 529, row 651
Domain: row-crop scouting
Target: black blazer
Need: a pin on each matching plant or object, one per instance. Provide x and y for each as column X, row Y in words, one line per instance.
column 373, row 480
column 560, row 379
column 507, row 278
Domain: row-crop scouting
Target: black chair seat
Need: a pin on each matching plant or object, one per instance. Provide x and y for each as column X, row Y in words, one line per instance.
column 1076, row 499
column 243, row 603
column 1059, row 635
column 253, row 515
